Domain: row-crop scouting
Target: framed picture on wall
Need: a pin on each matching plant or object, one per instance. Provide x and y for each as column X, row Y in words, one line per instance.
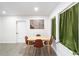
column 37, row 24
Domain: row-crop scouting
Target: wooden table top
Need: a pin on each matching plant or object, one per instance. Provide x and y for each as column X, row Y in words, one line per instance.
column 39, row 37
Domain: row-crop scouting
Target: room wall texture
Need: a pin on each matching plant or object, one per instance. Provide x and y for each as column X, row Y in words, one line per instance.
column 8, row 27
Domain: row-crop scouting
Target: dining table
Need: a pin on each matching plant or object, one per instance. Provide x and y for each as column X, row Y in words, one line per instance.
column 43, row 38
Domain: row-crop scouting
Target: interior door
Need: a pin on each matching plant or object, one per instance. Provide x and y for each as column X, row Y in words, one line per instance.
column 20, row 31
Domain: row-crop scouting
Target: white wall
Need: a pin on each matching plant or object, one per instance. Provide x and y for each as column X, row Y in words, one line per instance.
column 8, row 30
column 0, row 29
column 60, row 49
column 8, row 26
column 44, row 32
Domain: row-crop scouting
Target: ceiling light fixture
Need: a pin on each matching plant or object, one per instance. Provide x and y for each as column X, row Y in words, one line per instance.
column 36, row 9
column 3, row 12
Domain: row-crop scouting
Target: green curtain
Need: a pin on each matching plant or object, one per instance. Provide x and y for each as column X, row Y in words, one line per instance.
column 68, row 29
column 54, row 27
column 78, row 28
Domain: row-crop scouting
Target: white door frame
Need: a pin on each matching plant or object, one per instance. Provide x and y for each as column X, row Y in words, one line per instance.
column 17, row 27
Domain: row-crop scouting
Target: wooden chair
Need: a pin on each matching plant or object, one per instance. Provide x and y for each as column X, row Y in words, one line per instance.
column 50, row 42
column 38, row 35
column 45, row 42
column 26, row 41
column 38, row 43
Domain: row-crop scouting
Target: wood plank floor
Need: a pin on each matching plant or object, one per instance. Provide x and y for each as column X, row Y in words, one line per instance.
column 9, row 49
column 33, row 51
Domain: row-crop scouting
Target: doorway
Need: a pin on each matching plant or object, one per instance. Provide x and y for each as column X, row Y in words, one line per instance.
column 20, row 31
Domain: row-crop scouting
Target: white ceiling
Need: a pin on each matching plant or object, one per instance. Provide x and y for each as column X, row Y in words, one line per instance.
column 27, row 8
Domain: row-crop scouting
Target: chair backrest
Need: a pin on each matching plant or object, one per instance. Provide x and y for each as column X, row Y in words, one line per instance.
column 38, row 35
column 26, row 41
column 51, row 40
column 38, row 43
column 26, row 37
